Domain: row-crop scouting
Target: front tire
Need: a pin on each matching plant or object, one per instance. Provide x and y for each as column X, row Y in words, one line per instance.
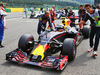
column 26, row 43
column 69, row 48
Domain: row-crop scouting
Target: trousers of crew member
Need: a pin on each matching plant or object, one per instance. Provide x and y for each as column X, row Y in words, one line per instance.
column 1, row 31
column 41, row 27
column 95, row 31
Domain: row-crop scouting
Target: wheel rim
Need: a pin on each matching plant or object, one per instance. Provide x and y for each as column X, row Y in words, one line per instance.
column 30, row 43
column 74, row 50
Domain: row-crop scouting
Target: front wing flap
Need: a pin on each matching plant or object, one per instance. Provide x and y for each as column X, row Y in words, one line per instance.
column 56, row 62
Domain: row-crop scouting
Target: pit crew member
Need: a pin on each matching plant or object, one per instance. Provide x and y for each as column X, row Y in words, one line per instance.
column 52, row 14
column 81, row 12
column 71, row 14
column 43, row 21
column 94, row 17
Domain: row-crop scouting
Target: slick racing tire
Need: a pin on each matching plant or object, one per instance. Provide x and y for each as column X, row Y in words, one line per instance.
column 26, row 43
column 86, row 31
column 69, row 48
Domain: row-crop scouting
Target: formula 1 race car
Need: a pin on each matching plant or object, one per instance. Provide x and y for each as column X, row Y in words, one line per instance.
column 36, row 15
column 63, row 39
column 60, row 14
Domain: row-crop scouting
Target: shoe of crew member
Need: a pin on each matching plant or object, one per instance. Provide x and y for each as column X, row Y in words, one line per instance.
column 91, row 49
column 1, row 46
column 95, row 53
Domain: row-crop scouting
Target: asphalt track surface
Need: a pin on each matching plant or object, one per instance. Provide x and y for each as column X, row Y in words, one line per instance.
column 84, row 63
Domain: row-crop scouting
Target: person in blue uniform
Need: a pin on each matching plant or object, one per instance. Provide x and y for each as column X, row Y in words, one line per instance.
column 1, row 27
column 43, row 21
column 81, row 12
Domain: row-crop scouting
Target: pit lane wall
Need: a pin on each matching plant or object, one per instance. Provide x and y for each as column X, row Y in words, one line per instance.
column 18, row 9
column 21, row 9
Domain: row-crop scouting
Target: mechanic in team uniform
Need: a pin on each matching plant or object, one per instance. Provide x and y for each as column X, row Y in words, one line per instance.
column 81, row 12
column 52, row 14
column 94, row 17
column 41, row 9
column 66, row 11
column 32, row 12
column 71, row 14
column 47, row 8
column 43, row 21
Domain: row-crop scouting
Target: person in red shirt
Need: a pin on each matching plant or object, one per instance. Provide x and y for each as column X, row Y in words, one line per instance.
column 2, row 14
column 4, row 20
column 52, row 14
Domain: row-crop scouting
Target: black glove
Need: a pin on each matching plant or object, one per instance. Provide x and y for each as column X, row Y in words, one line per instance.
column 52, row 19
column 72, row 24
column 51, row 29
column 43, row 29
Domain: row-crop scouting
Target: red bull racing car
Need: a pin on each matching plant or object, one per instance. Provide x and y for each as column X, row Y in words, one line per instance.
column 64, row 40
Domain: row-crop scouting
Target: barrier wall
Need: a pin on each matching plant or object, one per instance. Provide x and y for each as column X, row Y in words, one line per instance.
column 18, row 9
column 7, row 10
column 21, row 9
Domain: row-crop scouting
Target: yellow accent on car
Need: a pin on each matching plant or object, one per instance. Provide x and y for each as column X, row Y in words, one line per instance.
column 64, row 22
column 40, row 19
column 39, row 51
column 63, row 17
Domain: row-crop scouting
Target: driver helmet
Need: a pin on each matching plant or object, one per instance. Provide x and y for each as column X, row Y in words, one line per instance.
column 59, row 27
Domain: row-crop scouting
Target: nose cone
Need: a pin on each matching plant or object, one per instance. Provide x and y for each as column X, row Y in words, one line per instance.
column 39, row 51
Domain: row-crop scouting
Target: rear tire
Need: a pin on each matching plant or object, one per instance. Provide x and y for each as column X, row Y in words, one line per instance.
column 69, row 48
column 86, row 31
column 26, row 43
